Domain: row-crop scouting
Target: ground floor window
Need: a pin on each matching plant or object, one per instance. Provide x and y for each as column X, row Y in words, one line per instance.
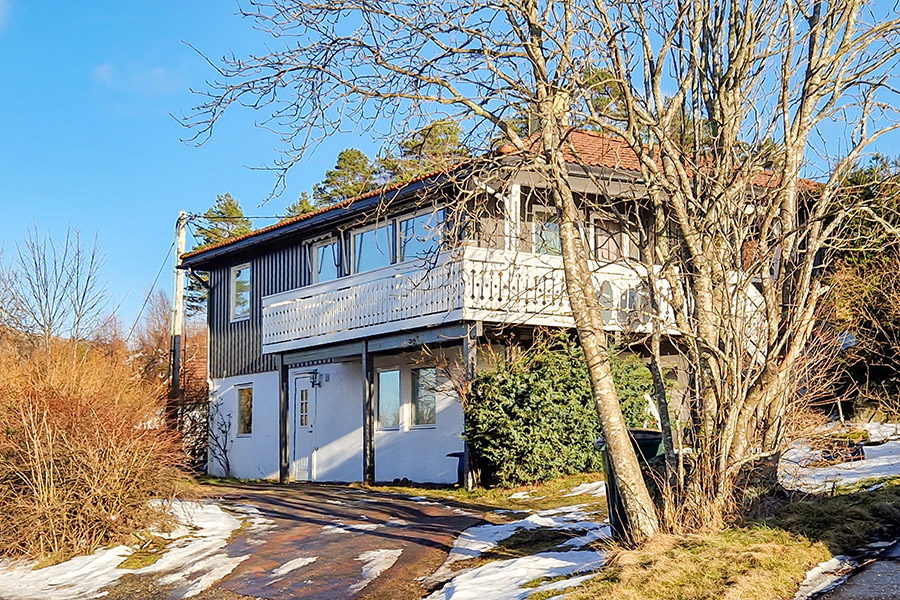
column 422, row 404
column 245, row 410
column 389, row 399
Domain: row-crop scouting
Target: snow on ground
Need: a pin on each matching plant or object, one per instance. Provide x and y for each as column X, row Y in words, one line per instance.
column 339, row 527
column 879, row 432
column 376, row 563
column 796, row 473
column 596, row 488
column 281, row 572
column 503, row 580
column 194, row 560
column 825, row 576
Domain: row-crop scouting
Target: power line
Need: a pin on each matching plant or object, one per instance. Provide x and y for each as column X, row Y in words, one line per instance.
column 150, row 293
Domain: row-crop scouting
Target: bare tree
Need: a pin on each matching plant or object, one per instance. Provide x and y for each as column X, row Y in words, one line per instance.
column 719, row 105
column 57, row 287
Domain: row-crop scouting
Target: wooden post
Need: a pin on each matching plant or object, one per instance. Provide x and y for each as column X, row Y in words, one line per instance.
column 368, row 372
column 283, row 391
column 470, row 360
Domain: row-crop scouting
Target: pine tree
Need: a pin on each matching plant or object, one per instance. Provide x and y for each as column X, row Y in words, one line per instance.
column 223, row 221
column 435, row 147
column 353, row 174
column 302, row 205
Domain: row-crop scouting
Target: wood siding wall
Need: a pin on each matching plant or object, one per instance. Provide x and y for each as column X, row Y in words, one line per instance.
column 236, row 348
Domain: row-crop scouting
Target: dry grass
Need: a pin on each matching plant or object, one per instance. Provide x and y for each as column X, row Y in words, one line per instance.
column 82, row 450
column 745, row 564
column 541, row 496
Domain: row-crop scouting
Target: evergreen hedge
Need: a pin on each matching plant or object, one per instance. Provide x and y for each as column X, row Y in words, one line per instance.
column 532, row 418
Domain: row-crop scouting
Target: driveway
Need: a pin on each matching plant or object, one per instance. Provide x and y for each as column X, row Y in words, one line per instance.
column 327, row 542
column 879, row 580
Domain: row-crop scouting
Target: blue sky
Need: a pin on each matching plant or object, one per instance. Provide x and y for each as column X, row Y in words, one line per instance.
column 88, row 137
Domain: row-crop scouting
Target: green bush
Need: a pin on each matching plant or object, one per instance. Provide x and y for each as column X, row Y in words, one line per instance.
column 532, row 418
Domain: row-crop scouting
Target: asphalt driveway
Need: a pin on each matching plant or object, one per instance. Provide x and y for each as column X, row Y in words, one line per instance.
column 336, row 542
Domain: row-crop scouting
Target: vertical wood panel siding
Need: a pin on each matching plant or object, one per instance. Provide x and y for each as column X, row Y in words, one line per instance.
column 236, row 348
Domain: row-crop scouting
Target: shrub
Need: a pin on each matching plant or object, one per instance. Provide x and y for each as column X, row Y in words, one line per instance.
column 82, row 450
column 532, row 418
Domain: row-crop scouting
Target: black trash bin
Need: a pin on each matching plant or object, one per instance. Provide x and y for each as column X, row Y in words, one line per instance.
column 647, row 445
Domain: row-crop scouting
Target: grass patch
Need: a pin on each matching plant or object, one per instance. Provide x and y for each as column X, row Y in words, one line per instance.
column 541, row 496
column 745, row 563
column 149, row 552
column 845, row 520
column 524, row 542
column 536, row 583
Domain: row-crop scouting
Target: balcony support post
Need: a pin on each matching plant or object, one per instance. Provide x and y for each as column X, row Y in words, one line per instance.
column 470, row 360
column 368, row 372
column 283, row 390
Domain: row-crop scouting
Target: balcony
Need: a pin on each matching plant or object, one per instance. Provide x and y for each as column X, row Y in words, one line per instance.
column 472, row 284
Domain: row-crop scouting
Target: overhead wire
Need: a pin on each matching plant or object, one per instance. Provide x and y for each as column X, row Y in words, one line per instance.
column 150, row 293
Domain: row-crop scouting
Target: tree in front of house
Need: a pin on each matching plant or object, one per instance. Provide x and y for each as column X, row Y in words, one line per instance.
column 222, row 221
column 701, row 81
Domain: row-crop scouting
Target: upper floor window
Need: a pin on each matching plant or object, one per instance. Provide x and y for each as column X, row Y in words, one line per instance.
column 373, row 247
column 545, row 231
column 607, row 241
column 240, row 292
column 421, row 235
column 325, row 259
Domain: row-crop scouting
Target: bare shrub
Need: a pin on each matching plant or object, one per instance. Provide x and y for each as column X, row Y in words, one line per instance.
column 82, row 451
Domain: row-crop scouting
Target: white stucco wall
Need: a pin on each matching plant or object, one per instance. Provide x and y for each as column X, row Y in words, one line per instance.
column 253, row 456
column 419, row 454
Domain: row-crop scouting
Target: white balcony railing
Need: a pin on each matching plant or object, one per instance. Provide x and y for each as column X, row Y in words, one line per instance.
column 469, row 284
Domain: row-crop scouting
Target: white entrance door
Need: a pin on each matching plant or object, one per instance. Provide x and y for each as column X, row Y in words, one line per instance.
column 302, row 417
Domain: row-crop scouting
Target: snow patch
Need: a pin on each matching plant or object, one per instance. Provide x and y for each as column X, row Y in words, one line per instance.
column 825, row 576
column 503, row 580
column 193, row 561
column 342, row 528
column 795, row 472
column 376, row 563
column 292, row 565
column 880, row 432
column 596, row 488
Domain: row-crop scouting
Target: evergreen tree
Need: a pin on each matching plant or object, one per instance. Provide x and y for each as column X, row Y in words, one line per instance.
column 434, row 147
column 223, row 221
column 302, row 205
column 353, row 174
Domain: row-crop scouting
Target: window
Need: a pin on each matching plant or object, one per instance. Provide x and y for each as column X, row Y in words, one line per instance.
column 325, row 258
column 304, row 408
column 545, row 233
column 373, row 248
column 389, row 399
column 422, row 403
column 606, row 241
column 420, row 236
column 240, row 292
column 245, row 410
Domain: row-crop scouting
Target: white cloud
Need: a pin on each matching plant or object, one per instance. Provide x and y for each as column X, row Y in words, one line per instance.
column 5, row 10
column 102, row 73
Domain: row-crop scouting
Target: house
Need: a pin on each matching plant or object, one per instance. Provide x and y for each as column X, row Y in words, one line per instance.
column 317, row 325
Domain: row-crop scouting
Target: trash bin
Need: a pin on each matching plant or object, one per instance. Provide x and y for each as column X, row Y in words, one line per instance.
column 647, row 445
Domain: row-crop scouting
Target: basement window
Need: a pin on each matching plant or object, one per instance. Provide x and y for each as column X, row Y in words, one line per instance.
column 245, row 410
column 240, row 292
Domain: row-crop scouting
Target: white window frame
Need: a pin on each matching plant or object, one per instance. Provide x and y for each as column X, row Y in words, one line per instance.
column 312, row 248
column 409, row 399
column 232, row 301
column 237, row 390
column 398, row 237
column 392, row 249
column 401, row 420
column 542, row 208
